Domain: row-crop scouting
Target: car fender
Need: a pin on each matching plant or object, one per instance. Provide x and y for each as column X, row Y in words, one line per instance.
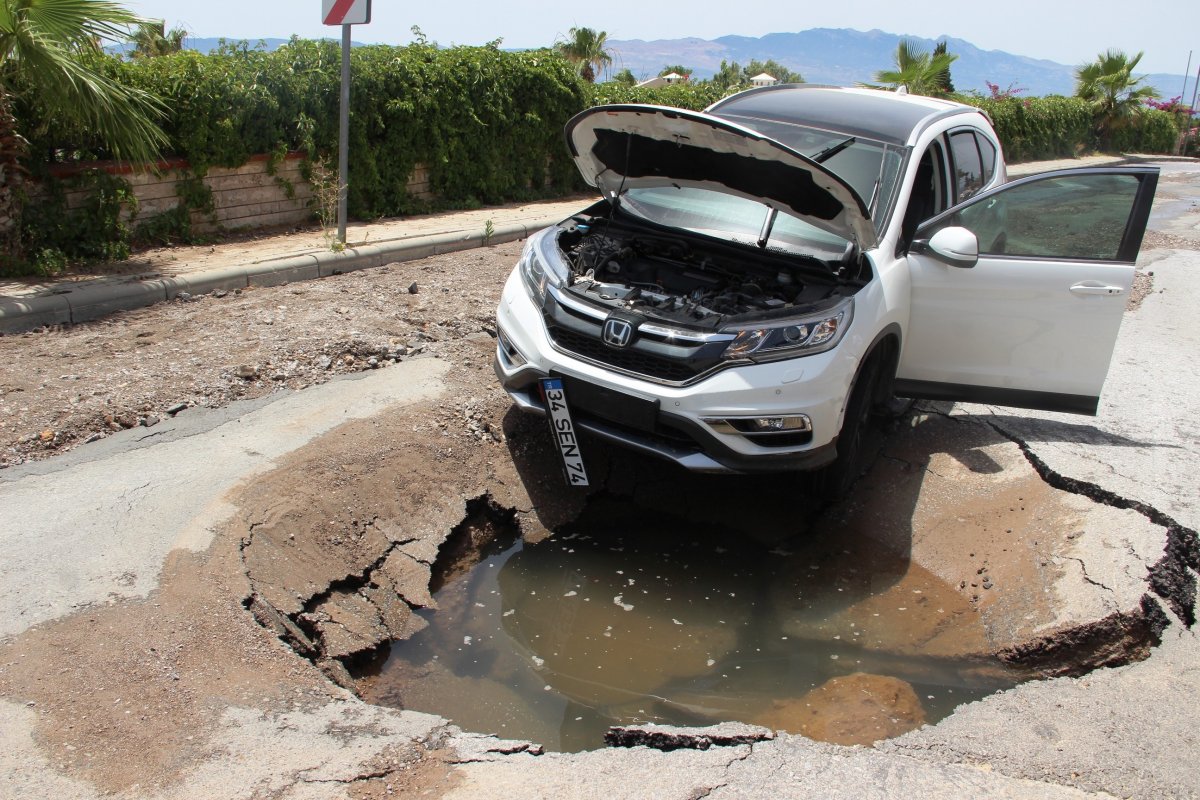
column 889, row 337
column 883, row 302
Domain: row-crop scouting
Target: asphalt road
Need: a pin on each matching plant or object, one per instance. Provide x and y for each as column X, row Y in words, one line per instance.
column 97, row 525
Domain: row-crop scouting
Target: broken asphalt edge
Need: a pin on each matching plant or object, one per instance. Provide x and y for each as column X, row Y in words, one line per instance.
column 91, row 300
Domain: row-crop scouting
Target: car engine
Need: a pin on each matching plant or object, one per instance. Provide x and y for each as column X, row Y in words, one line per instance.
column 698, row 284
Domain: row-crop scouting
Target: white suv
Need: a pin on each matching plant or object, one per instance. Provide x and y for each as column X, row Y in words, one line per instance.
column 761, row 277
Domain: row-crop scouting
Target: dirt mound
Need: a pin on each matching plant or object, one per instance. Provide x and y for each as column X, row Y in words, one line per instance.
column 855, row 709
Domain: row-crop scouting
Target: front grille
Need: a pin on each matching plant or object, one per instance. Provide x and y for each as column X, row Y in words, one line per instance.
column 630, row 360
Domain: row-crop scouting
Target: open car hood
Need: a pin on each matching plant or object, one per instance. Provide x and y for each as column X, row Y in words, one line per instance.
column 619, row 147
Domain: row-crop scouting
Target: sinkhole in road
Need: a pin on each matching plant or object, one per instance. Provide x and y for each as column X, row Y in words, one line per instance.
column 630, row 615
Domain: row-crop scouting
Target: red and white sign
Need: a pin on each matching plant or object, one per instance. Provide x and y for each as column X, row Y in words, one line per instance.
column 345, row 12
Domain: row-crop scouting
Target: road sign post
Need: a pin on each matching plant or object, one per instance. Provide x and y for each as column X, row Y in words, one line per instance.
column 344, row 137
column 345, row 13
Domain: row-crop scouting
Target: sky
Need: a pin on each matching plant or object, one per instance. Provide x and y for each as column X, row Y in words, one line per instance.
column 1065, row 31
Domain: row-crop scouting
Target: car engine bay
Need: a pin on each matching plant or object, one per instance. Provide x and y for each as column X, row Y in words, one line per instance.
column 695, row 282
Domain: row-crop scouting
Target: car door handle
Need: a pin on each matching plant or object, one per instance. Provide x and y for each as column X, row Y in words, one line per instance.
column 1094, row 287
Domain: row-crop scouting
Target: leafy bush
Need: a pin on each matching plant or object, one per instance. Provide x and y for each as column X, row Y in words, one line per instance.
column 94, row 231
column 1152, row 131
column 1039, row 127
column 692, row 96
column 1035, row 128
column 1174, row 105
column 488, row 123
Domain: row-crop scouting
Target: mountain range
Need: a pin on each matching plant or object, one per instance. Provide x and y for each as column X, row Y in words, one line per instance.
column 838, row 56
column 844, row 57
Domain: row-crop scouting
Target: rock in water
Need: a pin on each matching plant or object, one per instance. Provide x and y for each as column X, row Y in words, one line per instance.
column 854, row 709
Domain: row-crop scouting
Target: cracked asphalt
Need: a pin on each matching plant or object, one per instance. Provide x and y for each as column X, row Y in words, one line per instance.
column 117, row 549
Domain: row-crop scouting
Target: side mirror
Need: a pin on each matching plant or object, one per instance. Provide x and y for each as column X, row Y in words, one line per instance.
column 954, row 247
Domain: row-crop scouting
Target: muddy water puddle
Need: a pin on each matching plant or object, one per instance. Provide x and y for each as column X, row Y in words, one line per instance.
column 631, row 616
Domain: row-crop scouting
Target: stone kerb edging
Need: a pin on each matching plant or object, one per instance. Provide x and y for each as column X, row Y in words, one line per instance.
column 86, row 301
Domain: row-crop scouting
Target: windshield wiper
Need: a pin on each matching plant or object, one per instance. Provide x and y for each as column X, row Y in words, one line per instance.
column 874, row 194
column 833, row 150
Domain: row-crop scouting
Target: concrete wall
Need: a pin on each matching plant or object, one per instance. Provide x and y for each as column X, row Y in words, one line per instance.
column 244, row 197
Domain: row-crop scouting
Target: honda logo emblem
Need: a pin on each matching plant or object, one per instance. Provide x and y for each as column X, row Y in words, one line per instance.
column 617, row 332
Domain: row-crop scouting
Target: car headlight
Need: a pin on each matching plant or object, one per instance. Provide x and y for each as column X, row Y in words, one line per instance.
column 800, row 336
column 540, row 264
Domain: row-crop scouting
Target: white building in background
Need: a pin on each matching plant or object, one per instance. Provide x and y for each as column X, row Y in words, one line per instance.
column 663, row 80
column 763, row 79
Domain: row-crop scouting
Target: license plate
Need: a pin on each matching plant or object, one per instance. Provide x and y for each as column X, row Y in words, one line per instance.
column 624, row 409
column 563, row 430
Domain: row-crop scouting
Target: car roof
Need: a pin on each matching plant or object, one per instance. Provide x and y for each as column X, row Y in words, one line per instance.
column 870, row 113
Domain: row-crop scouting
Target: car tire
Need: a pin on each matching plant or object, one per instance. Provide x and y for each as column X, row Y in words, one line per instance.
column 859, row 433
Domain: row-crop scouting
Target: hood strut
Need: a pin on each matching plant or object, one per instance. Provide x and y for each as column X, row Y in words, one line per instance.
column 764, row 235
column 616, row 201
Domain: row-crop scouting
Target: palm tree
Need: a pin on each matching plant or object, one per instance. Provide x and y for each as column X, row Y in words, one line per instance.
column 152, row 39
column 918, row 71
column 45, row 49
column 1108, row 84
column 585, row 49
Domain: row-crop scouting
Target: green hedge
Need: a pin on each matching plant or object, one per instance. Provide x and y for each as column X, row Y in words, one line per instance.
column 1152, row 131
column 1040, row 127
column 1064, row 127
column 693, row 96
column 487, row 123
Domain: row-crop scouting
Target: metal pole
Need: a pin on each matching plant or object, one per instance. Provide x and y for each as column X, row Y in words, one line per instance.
column 344, row 137
column 1195, row 89
column 1187, row 73
column 1186, row 123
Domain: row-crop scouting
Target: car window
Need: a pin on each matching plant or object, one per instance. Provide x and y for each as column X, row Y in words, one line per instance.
column 988, row 151
column 968, row 166
column 929, row 190
column 1068, row 216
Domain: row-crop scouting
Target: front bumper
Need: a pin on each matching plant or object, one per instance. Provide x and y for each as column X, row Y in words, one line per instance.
column 814, row 386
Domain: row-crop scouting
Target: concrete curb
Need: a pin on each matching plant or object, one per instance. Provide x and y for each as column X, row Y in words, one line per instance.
column 22, row 313
column 87, row 301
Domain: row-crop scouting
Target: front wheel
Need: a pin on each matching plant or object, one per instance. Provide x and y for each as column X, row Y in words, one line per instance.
column 854, row 442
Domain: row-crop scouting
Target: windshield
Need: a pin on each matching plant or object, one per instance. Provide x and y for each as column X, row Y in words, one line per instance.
column 727, row 216
column 870, row 167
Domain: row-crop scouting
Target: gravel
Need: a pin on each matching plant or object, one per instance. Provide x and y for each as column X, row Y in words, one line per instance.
column 66, row 385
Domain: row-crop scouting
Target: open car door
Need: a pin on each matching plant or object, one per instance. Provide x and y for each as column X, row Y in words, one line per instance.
column 1017, row 293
